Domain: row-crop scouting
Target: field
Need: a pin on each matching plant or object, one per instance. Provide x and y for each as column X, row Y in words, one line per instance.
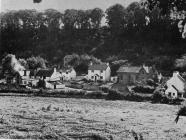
column 67, row 118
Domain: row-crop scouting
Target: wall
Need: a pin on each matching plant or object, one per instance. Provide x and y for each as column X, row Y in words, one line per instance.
column 179, row 84
column 127, row 78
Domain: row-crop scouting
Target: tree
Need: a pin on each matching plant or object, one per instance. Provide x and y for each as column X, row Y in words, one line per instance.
column 181, row 63
column 36, row 62
column 96, row 16
column 166, row 5
column 136, row 15
column 53, row 20
column 182, row 27
column 70, row 18
column 23, row 62
column 116, row 17
column 11, row 64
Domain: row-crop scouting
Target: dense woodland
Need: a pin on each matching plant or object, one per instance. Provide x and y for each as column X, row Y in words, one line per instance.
column 143, row 32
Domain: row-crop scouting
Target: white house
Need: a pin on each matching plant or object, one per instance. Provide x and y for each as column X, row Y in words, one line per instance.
column 48, row 75
column 175, row 86
column 68, row 74
column 99, row 72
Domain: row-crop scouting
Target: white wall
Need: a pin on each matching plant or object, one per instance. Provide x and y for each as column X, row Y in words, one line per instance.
column 105, row 74
column 177, row 82
column 71, row 75
column 174, row 93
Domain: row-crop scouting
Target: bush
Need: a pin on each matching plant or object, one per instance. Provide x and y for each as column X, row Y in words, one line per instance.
column 151, row 82
column 114, row 95
column 105, row 89
column 95, row 95
column 137, row 97
column 144, row 89
column 158, row 97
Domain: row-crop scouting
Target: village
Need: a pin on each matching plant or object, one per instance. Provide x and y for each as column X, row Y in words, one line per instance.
column 128, row 79
column 93, row 69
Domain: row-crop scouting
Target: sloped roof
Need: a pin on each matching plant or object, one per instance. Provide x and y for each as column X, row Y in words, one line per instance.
column 175, row 88
column 181, row 78
column 66, row 69
column 129, row 69
column 98, row 67
column 134, row 69
column 147, row 69
column 45, row 73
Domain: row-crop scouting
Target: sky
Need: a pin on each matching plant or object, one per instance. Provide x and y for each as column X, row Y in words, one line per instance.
column 60, row 5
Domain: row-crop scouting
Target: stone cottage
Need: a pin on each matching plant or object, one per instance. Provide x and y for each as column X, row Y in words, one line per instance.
column 132, row 74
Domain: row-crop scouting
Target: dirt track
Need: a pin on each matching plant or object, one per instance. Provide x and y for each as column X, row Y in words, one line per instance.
column 58, row 118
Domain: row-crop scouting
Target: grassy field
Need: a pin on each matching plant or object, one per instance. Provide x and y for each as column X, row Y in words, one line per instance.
column 59, row 118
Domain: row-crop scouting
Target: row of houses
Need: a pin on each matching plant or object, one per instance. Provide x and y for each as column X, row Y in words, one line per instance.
column 32, row 77
column 126, row 75
column 97, row 72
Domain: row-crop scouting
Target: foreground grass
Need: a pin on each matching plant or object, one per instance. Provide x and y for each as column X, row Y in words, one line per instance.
column 66, row 118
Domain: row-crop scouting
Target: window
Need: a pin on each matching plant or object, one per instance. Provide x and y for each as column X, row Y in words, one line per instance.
column 173, row 94
column 101, row 71
column 24, row 72
column 101, row 77
column 92, row 71
column 169, row 94
column 92, row 77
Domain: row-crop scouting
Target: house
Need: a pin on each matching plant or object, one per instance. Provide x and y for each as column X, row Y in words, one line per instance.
column 175, row 86
column 48, row 74
column 25, row 77
column 12, row 78
column 132, row 74
column 68, row 74
column 20, row 77
column 99, row 72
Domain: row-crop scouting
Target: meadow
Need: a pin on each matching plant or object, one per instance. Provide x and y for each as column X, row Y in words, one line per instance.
column 88, row 119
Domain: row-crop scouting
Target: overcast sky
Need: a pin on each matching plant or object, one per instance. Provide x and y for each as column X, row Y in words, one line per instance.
column 60, row 5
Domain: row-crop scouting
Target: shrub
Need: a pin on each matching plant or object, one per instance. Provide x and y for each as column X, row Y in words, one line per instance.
column 105, row 89
column 95, row 95
column 114, row 95
column 158, row 97
column 144, row 89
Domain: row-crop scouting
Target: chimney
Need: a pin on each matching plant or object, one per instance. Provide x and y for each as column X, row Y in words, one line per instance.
column 175, row 73
column 91, row 63
column 54, row 70
column 107, row 64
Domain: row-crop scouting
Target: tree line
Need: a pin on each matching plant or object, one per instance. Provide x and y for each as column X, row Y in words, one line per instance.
column 143, row 32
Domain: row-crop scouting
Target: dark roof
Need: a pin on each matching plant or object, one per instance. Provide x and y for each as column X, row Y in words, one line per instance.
column 45, row 73
column 66, row 69
column 129, row 69
column 134, row 69
column 98, row 67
